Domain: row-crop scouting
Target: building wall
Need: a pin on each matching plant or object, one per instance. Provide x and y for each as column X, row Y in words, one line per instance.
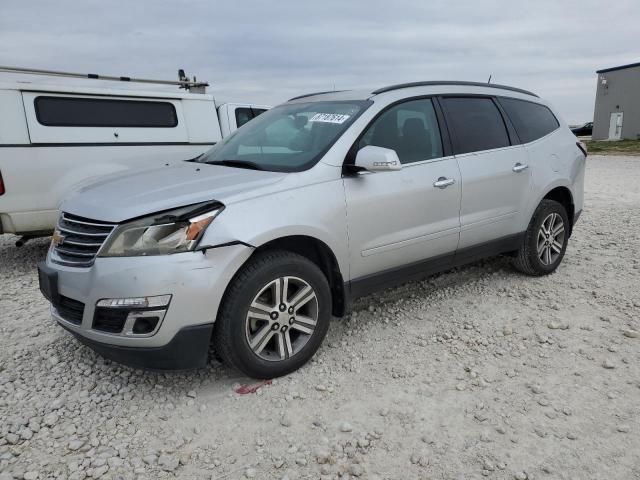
column 621, row 94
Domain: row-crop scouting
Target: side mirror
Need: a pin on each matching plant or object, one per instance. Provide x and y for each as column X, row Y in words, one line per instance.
column 377, row 159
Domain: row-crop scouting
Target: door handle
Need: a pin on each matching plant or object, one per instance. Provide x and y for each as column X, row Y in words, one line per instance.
column 519, row 167
column 443, row 182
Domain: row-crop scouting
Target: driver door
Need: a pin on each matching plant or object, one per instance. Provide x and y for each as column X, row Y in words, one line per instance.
column 403, row 223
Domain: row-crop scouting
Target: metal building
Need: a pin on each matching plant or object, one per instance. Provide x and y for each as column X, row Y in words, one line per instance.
column 617, row 110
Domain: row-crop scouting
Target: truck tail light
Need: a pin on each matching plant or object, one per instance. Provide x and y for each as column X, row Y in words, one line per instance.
column 1, row 185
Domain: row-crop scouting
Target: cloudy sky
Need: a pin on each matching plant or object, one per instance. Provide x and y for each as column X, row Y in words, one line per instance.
column 268, row 51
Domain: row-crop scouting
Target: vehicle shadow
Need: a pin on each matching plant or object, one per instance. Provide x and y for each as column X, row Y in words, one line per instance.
column 21, row 259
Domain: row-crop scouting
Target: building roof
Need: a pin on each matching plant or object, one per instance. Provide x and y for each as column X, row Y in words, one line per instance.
column 621, row 67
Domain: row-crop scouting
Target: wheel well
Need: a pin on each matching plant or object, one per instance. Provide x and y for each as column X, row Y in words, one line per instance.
column 320, row 254
column 562, row 195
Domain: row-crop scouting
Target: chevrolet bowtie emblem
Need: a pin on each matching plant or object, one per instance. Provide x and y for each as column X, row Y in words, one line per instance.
column 57, row 239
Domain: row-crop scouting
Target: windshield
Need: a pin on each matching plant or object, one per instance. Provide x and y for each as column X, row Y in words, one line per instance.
column 288, row 138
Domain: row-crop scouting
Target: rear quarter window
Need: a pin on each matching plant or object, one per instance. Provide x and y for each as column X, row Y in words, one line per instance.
column 531, row 120
column 243, row 115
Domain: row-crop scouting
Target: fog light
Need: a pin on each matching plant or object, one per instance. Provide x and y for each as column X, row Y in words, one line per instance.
column 145, row 325
column 135, row 316
column 135, row 302
column 143, row 322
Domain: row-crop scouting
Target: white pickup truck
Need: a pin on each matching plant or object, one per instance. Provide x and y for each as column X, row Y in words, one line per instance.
column 57, row 138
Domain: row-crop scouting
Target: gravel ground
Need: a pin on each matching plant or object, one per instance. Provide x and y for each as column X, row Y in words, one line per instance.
column 478, row 372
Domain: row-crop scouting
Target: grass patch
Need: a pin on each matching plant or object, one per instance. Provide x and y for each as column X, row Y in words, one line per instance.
column 619, row 147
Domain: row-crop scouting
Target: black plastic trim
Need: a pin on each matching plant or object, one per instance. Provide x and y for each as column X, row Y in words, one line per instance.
column 584, row 152
column 418, row 270
column 449, row 82
column 48, row 283
column 514, row 138
column 414, row 271
column 576, row 216
column 188, row 349
column 445, row 134
column 204, row 248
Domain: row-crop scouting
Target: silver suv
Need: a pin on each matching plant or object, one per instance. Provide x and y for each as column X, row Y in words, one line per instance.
column 257, row 243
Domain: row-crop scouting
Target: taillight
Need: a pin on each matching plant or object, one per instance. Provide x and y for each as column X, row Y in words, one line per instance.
column 1, row 185
column 582, row 146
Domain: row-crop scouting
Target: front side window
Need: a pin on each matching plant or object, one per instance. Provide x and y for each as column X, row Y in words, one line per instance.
column 99, row 112
column 288, row 138
column 531, row 120
column 476, row 123
column 409, row 128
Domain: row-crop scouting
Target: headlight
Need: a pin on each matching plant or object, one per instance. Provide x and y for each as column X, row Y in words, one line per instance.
column 164, row 233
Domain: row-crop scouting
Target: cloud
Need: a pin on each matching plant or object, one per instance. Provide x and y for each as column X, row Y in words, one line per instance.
column 269, row 51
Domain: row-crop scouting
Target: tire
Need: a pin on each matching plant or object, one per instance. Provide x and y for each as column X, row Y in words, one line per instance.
column 535, row 257
column 255, row 333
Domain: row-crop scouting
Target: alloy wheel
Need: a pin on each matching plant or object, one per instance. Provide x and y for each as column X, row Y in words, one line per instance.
column 551, row 238
column 281, row 318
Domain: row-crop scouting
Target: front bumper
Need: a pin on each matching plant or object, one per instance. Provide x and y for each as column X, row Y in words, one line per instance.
column 188, row 349
column 196, row 282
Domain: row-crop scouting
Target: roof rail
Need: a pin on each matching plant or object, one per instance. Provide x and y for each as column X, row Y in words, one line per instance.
column 315, row 93
column 183, row 83
column 449, row 82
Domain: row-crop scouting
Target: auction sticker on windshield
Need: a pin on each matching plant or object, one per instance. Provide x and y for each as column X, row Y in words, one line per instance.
column 329, row 118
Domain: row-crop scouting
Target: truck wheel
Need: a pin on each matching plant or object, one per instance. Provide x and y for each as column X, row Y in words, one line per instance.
column 274, row 315
column 545, row 240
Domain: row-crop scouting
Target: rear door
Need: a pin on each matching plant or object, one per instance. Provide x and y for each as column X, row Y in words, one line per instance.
column 399, row 219
column 494, row 169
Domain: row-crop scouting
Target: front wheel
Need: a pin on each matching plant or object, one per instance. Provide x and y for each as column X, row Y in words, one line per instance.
column 545, row 240
column 274, row 316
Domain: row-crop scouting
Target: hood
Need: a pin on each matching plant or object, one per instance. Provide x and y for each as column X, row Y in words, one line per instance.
column 136, row 193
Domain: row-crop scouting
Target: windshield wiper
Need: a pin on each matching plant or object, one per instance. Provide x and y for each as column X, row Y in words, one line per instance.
column 236, row 163
column 195, row 159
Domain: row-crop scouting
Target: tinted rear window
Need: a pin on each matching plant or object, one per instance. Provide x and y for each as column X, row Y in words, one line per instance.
column 476, row 123
column 243, row 115
column 531, row 120
column 96, row 112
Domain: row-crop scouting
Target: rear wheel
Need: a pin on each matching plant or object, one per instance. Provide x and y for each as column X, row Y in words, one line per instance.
column 545, row 240
column 274, row 316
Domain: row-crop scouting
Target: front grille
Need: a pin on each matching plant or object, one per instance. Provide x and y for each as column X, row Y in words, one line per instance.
column 69, row 309
column 78, row 240
column 109, row 320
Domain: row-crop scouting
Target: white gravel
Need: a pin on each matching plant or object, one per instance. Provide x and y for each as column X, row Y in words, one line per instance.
column 479, row 372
